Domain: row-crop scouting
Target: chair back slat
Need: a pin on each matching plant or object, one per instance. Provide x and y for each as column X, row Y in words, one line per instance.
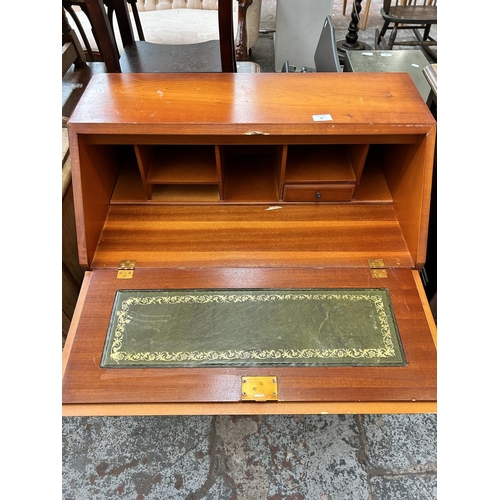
column 124, row 22
column 226, row 36
column 104, row 36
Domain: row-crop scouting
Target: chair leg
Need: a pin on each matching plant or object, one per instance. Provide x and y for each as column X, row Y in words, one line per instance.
column 344, row 8
column 382, row 31
column 380, row 43
column 432, row 56
column 392, row 38
column 365, row 15
column 427, row 31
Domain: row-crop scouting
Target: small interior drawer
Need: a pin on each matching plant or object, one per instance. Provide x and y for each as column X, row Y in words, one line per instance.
column 318, row 192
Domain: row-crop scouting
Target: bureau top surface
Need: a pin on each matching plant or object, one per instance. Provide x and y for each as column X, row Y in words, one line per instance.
column 261, row 103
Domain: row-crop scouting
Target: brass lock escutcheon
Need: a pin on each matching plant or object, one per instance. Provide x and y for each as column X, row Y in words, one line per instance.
column 259, row 388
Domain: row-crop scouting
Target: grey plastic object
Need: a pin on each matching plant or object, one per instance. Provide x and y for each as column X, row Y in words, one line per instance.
column 326, row 57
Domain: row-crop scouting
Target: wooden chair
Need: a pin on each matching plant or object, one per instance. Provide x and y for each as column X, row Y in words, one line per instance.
column 140, row 56
column 416, row 15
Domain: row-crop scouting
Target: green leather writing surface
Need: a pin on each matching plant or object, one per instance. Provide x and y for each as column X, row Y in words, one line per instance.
column 186, row 328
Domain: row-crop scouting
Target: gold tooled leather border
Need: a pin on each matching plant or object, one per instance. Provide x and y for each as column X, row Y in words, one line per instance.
column 118, row 355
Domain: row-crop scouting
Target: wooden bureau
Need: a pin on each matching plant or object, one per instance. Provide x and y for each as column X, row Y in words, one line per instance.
column 251, row 181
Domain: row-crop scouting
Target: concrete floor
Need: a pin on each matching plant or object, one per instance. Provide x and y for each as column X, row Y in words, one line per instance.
column 320, row 457
column 317, row 457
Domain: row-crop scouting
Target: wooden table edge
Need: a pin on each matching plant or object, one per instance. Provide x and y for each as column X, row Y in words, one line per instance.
column 249, row 408
column 426, row 306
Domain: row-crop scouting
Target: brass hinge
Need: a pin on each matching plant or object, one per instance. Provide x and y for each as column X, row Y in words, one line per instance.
column 126, row 269
column 259, row 388
column 378, row 268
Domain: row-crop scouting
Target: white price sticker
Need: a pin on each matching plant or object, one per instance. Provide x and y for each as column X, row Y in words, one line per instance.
column 322, row 118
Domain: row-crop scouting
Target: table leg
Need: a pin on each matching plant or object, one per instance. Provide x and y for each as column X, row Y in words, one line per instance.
column 351, row 40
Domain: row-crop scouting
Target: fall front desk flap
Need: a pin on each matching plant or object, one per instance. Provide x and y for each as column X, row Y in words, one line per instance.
column 195, row 328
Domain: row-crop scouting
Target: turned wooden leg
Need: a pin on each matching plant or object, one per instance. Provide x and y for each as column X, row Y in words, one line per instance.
column 351, row 40
column 241, row 44
column 365, row 17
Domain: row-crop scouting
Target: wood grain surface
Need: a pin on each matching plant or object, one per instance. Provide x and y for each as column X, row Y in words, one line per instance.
column 193, row 224
column 252, row 104
column 85, row 382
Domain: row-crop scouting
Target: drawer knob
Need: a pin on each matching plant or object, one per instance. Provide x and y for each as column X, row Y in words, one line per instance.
column 318, row 195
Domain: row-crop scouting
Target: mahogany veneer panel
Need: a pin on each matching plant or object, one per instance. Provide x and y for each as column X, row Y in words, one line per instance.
column 169, row 165
column 255, row 110
column 318, row 163
column 269, row 103
column 85, row 382
column 238, row 236
column 237, row 233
